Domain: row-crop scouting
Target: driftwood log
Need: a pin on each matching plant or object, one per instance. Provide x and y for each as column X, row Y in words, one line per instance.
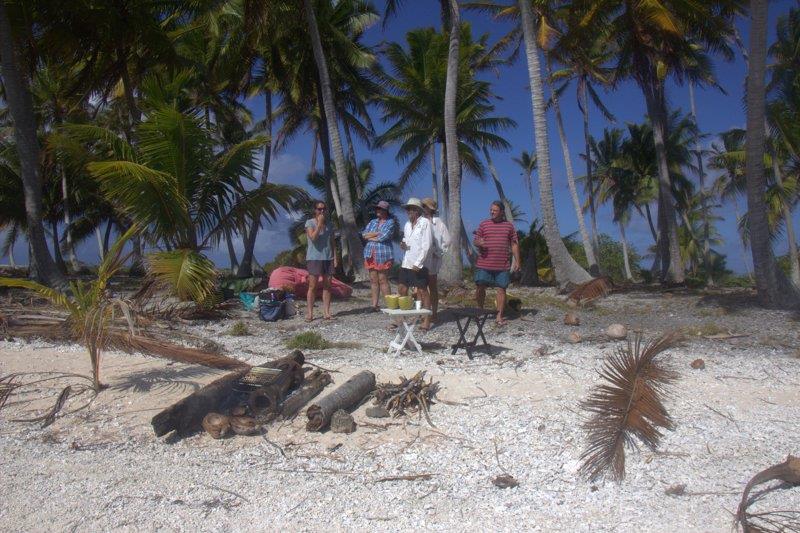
column 267, row 398
column 345, row 397
column 186, row 416
column 315, row 382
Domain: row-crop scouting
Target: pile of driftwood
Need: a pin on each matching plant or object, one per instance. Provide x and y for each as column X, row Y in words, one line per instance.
column 245, row 400
column 412, row 395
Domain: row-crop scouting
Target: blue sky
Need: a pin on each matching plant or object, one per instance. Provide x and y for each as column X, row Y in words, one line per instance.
column 717, row 112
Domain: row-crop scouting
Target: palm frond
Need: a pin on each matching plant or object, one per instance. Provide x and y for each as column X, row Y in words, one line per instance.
column 629, row 407
column 188, row 274
column 55, row 296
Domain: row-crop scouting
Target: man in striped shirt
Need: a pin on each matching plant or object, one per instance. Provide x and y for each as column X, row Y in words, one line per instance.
column 494, row 238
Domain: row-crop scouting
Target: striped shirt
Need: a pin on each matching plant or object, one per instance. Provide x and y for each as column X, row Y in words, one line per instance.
column 497, row 239
column 382, row 247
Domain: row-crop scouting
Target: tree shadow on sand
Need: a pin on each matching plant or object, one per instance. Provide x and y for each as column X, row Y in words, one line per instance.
column 163, row 380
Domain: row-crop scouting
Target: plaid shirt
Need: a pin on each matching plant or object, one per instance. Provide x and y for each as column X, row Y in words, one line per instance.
column 381, row 248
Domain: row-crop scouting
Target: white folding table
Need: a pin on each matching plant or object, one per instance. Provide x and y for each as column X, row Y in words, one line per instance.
column 409, row 319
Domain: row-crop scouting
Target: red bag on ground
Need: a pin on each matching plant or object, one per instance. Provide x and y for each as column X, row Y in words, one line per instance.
column 298, row 278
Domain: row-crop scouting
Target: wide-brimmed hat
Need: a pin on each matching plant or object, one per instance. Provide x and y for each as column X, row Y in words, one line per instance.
column 383, row 204
column 430, row 203
column 413, row 202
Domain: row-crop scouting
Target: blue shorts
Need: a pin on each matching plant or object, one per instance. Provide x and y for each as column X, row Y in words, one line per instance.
column 492, row 278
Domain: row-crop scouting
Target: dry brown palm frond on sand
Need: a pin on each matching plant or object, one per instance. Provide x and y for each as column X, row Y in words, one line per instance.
column 788, row 472
column 629, row 407
column 591, row 290
column 173, row 352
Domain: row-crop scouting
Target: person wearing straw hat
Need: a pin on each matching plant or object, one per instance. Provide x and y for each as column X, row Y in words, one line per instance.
column 417, row 244
column 441, row 244
column 378, row 252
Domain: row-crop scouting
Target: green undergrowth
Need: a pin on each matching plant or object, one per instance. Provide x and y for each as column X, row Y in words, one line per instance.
column 311, row 340
column 239, row 329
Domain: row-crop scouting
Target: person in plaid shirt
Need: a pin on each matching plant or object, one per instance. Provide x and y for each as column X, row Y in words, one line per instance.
column 378, row 253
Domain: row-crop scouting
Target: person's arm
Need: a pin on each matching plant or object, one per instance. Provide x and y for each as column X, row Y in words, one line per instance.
column 314, row 228
column 333, row 249
column 367, row 234
column 425, row 240
column 478, row 237
column 385, row 232
column 517, row 261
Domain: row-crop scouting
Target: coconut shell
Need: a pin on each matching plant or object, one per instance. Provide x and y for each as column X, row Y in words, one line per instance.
column 244, row 425
column 617, row 331
column 216, row 425
column 571, row 319
column 575, row 337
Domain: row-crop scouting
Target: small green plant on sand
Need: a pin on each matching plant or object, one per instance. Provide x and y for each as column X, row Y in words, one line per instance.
column 239, row 329
column 311, row 340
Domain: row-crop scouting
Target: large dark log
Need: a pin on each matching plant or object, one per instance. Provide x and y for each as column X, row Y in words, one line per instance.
column 186, row 416
column 266, row 399
column 345, row 397
column 314, row 384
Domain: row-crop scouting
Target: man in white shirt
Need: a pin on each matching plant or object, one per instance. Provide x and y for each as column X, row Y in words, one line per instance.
column 418, row 245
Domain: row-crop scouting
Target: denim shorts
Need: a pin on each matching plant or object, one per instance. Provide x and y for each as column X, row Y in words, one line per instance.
column 492, row 278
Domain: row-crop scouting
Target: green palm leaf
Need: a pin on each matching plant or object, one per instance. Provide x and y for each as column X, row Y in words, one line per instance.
column 188, row 274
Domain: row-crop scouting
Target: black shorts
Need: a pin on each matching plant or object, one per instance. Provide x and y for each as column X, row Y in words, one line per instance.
column 318, row 267
column 413, row 278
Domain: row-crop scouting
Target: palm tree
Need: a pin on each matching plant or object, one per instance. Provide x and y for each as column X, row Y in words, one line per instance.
column 584, row 52
column 653, row 41
column 350, row 234
column 588, row 247
column 565, row 267
column 774, row 290
column 20, row 104
column 175, row 183
column 728, row 158
column 91, row 308
column 414, row 102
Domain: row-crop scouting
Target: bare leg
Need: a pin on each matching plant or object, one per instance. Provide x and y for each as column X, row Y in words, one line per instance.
column 373, row 286
column 326, row 296
column 433, row 288
column 425, row 296
column 383, row 278
column 480, row 295
column 311, row 297
column 402, row 290
column 501, row 305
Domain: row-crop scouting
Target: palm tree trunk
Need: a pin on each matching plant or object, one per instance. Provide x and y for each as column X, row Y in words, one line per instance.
column 11, row 262
column 351, row 156
column 701, row 175
column 73, row 260
column 315, row 143
column 452, row 267
column 107, row 238
column 434, row 177
column 589, row 176
column 332, row 189
column 59, row 258
column 774, row 290
column 20, row 105
column 98, row 235
column 245, row 269
column 671, row 264
column 625, row 258
column 588, row 248
column 565, row 267
column 742, row 240
column 234, row 262
column 349, row 231
column 794, row 259
column 499, row 186
column 445, row 208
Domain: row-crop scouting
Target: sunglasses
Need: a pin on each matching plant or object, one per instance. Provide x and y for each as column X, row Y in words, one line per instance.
column 319, row 209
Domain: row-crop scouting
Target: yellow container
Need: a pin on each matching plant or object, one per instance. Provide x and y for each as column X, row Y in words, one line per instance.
column 391, row 301
column 406, row 303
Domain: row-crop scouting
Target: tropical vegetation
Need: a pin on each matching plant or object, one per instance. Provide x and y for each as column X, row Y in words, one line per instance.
column 169, row 117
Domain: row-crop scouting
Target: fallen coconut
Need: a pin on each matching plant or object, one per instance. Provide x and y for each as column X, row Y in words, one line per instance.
column 617, row 331
column 216, row 425
column 698, row 364
column 574, row 337
column 571, row 319
column 244, row 425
